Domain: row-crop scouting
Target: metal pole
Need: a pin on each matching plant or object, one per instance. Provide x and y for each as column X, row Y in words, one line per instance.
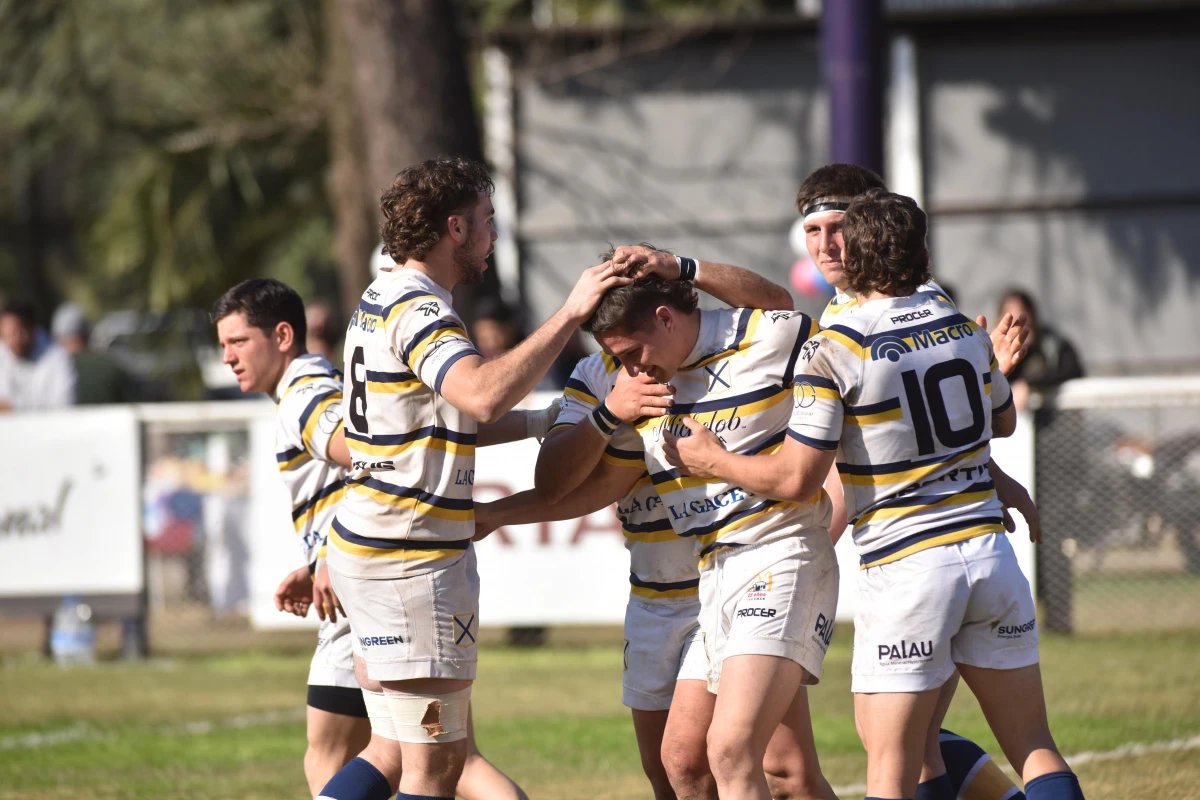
column 853, row 57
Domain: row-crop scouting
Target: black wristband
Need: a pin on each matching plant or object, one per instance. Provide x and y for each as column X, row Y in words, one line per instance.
column 605, row 421
column 687, row 268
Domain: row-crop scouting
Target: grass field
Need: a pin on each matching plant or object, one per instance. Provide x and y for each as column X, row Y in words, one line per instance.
column 230, row 726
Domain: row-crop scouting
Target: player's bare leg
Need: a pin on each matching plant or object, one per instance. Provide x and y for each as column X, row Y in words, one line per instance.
column 431, row 769
column 932, row 765
column 1020, row 726
column 756, row 691
column 894, row 728
column 481, row 780
column 685, row 741
column 648, row 727
column 333, row 739
column 791, row 765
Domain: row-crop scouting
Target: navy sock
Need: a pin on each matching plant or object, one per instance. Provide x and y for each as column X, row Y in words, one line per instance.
column 940, row 788
column 1054, row 786
column 358, row 780
column 403, row 796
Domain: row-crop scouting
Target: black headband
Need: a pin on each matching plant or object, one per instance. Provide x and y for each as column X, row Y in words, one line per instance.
column 827, row 205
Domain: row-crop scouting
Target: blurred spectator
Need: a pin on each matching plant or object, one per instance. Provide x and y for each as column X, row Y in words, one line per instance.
column 1051, row 360
column 495, row 331
column 324, row 330
column 34, row 372
column 98, row 377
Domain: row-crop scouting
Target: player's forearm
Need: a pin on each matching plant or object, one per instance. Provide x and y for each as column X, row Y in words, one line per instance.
column 741, row 288
column 526, row 508
column 770, row 475
column 503, row 382
column 509, row 428
column 566, row 459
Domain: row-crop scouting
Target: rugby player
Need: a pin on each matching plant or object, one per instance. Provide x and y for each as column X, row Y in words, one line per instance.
column 664, row 658
column 908, row 392
column 420, row 400
column 261, row 327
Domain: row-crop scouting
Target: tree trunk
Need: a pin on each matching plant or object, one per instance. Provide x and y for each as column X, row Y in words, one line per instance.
column 356, row 234
column 411, row 82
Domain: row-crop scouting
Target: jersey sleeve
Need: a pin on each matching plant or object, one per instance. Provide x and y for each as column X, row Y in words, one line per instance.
column 312, row 414
column 817, row 407
column 582, row 393
column 784, row 333
column 427, row 335
column 625, row 449
column 996, row 386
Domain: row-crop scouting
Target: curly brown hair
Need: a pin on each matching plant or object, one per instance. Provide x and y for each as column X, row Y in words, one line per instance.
column 629, row 308
column 421, row 199
column 885, row 248
column 836, row 180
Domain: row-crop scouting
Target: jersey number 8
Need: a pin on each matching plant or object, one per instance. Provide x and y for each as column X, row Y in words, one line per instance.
column 358, row 392
column 921, row 417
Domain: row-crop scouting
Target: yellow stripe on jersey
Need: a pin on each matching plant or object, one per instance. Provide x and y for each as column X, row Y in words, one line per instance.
column 395, row 310
column 834, row 307
column 419, row 506
column 316, row 508
column 612, row 459
column 743, row 342
column 580, row 395
column 936, row 541
column 399, row 554
column 429, row 442
column 960, row 499
column 909, row 474
column 657, row 594
column 294, row 461
column 417, row 348
column 610, row 363
column 303, row 380
column 393, row 387
column 732, row 407
column 873, row 419
column 314, row 417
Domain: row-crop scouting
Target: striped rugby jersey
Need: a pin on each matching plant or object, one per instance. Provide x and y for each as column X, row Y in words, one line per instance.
column 408, row 506
column 904, row 388
column 844, row 301
column 308, row 412
column 662, row 566
column 737, row 382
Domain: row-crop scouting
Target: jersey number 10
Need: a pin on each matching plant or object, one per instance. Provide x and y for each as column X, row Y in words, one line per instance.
column 935, row 410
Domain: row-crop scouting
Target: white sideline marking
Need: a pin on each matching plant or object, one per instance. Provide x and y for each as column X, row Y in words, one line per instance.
column 82, row 730
column 1124, row 751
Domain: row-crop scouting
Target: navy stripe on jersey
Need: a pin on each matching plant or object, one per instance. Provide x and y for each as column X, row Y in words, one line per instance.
column 901, row 333
column 312, row 404
column 739, row 336
column 648, row 527
column 819, row 444
column 425, row 333
column 380, row 311
column 911, row 500
column 412, row 493
column 727, row 402
column 579, row 386
column 634, row 580
column 987, row 377
column 928, row 533
column 302, row 509
column 288, row 455
column 389, row 377
column 627, row 455
column 335, row 374
column 901, row 466
column 716, row 525
column 450, row 362
column 789, row 371
column 816, row 381
column 673, row 474
column 398, row 544
column 1000, row 409
column 431, row 431
column 873, row 408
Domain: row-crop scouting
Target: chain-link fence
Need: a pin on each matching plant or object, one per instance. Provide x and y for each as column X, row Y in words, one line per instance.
column 1118, row 486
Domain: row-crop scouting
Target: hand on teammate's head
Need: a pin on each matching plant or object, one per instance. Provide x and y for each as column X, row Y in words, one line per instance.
column 637, row 396
column 639, row 261
column 590, row 290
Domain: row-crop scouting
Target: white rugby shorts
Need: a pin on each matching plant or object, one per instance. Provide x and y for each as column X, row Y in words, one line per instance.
column 420, row 626
column 333, row 662
column 773, row 599
column 662, row 645
column 964, row 603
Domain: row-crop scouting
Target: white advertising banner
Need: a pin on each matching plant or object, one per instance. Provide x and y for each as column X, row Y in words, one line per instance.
column 70, row 509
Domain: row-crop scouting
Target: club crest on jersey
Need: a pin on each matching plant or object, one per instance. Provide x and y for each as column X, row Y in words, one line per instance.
column 775, row 316
column 889, row 347
column 719, row 377
column 761, row 585
column 804, row 394
column 429, row 309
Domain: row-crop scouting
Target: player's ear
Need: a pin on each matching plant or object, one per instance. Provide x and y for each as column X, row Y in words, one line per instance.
column 285, row 336
column 664, row 316
column 456, row 226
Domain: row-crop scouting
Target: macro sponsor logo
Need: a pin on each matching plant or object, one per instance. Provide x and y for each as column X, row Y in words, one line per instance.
column 756, row 612
column 906, row 651
column 1013, row 631
column 889, row 347
column 380, row 641
column 912, row 316
column 923, row 340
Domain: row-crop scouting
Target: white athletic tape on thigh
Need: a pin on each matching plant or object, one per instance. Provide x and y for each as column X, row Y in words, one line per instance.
column 430, row 718
column 380, row 714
